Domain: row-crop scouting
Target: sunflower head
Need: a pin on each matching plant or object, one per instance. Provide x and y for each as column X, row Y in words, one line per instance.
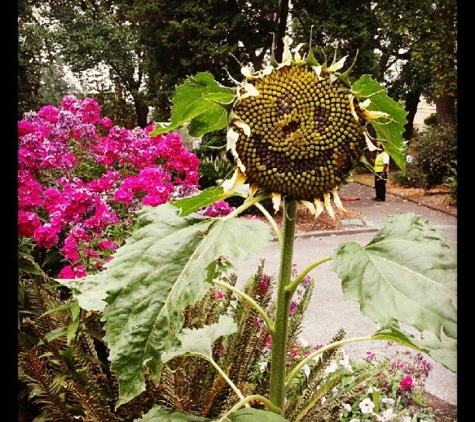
column 296, row 130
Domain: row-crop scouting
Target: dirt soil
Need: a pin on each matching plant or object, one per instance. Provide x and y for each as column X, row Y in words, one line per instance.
column 438, row 197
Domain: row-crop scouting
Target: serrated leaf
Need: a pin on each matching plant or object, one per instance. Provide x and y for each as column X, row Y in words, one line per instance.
column 199, row 100
column 255, row 415
column 199, row 341
column 162, row 414
column 389, row 129
column 202, row 199
column 159, row 271
column 407, row 273
column 441, row 350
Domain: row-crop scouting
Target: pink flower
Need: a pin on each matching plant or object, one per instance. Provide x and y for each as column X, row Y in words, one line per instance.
column 28, row 222
column 70, row 272
column 406, row 384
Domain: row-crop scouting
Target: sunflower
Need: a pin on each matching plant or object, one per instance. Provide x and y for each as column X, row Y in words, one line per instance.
column 296, row 130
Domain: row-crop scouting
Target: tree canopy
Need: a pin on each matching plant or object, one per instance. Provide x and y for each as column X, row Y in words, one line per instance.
column 151, row 46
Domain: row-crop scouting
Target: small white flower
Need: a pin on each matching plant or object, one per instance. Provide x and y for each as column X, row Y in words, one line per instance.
column 331, row 368
column 347, row 407
column 355, row 420
column 388, row 400
column 366, row 406
column 306, row 370
column 262, row 366
column 389, row 415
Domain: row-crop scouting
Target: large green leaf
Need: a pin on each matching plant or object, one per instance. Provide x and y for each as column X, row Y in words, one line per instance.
column 407, row 273
column 161, row 414
column 202, row 199
column 159, row 271
column 199, row 341
column 390, row 129
column 201, row 101
column 443, row 350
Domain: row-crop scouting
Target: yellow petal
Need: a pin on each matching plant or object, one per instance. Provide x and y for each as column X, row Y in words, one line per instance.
column 298, row 58
column 372, row 115
column 318, row 207
column 286, row 55
column 309, row 206
column 253, row 189
column 238, row 179
column 369, row 143
column 328, row 205
column 318, row 70
column 244, row 126
column 231, row 139
column 251, row 91
column 338, row 65
column 363, row 105
column 276, row 198
column 337, row 200
column 246, row 71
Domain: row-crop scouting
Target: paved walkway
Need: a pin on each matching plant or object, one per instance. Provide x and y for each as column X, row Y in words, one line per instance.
column 328, row 311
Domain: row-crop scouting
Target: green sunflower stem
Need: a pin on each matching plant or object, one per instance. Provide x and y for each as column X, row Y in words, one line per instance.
column 281, row 324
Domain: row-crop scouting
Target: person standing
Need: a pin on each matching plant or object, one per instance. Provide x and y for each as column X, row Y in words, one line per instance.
column 381, row 169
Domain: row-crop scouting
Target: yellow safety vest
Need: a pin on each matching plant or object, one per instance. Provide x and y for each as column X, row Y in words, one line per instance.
column 379, row 161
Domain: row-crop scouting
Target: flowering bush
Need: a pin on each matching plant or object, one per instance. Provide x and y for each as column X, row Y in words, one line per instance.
column 392, row 394
column 80, row 179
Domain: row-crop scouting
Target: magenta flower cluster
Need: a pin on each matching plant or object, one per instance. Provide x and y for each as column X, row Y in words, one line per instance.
column 80, row 179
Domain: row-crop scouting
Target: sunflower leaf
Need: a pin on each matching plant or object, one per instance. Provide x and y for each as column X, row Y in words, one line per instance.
column 162, row 414
column 199, row 341
column 159, row 271
column 201, row 101
column 202, row 199
column 406, row 274
column 389, row 130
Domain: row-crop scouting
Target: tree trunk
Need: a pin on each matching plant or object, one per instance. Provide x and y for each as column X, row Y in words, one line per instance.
column 281, row 28
column 412, row 101
column 445, row 109
column 141, row 110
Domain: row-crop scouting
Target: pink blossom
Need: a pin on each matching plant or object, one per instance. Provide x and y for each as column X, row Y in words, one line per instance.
column 406, row 384
column 79, row 176
column 28, row 222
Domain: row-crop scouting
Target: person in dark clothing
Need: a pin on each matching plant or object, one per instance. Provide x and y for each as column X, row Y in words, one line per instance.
column 381, row 169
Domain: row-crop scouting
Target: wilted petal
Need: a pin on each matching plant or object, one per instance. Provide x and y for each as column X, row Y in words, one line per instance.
column 276, row 198
column 238, row 179
column 309, row 206
column 338, row 65
column 328, row 205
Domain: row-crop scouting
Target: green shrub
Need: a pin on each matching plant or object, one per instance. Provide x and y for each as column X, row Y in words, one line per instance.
column 411, row 178
column 437, row 153
column 451, row 181
column 431, row 120
column 212, row 169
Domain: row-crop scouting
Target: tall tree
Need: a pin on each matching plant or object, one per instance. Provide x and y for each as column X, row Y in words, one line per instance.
column 410, row 44
column 183, row 38
column 94, row 34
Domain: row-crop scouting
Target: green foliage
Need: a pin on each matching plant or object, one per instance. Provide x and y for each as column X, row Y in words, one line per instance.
column 434, row 161
column 166, row 259
column 213, row 169
column 437, row 153
column 412, row 177
column 451, row 182
column 431, row 120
